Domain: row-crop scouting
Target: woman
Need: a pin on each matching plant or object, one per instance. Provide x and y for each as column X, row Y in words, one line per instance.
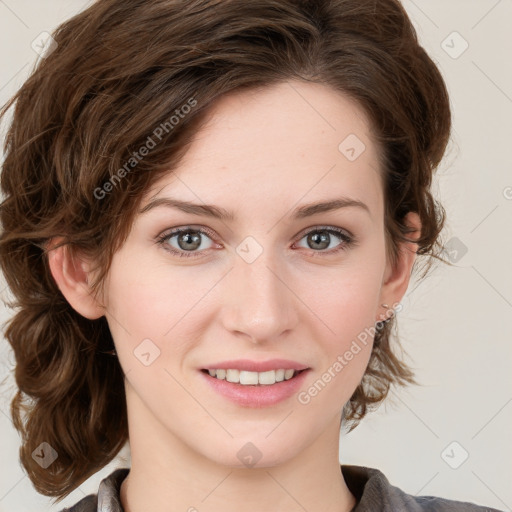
column 212, row 211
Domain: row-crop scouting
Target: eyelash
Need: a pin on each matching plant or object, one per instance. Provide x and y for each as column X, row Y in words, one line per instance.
column 349, row 240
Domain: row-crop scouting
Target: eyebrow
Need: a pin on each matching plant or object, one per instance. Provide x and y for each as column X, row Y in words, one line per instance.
column 216, row 212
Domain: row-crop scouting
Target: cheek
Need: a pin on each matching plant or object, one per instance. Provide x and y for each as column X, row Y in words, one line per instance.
column 344, row 315
column 144, row 296
column 344, row 300
column 344, row 339
column 149, row 306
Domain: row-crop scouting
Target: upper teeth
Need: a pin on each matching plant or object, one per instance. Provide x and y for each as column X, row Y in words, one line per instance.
column 252, row 378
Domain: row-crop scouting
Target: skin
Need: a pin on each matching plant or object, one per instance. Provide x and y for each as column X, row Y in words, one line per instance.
column 262, row 154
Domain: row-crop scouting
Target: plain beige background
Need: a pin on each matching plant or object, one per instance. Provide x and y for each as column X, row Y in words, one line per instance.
column 451, row 436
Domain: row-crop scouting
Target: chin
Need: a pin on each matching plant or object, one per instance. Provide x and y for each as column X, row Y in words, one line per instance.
column 254, row 452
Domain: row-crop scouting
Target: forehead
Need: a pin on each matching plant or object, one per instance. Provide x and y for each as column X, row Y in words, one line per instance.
column 287, row 143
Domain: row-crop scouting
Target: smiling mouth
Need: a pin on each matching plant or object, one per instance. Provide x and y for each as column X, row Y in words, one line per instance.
column 247, row 378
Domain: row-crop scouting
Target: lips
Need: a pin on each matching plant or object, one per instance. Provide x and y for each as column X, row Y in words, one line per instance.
column 255, row 395
column 252, row 394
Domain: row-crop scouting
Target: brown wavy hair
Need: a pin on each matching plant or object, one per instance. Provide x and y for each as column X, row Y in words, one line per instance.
column 119, row 70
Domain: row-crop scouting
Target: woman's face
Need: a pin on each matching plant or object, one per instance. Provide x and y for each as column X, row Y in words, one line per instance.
column 266, row 283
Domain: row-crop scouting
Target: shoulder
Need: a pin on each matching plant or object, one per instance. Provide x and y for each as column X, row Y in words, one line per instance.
column 374, row 492
column 107, row 498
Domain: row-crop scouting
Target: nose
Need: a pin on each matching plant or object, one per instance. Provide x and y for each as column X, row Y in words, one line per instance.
column 258, row 300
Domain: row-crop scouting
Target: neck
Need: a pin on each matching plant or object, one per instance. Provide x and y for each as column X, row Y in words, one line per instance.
column 168, row 475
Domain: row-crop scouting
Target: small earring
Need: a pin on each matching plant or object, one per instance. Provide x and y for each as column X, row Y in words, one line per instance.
column 385, row 321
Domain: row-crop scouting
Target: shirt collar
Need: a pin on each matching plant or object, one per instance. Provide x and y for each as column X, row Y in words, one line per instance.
column 109, row 499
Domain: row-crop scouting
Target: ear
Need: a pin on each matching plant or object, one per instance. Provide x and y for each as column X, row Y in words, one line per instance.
column 397, row 277
column 71, row 275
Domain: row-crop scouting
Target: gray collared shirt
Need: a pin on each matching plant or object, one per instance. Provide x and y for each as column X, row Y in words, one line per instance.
column 371, row 488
